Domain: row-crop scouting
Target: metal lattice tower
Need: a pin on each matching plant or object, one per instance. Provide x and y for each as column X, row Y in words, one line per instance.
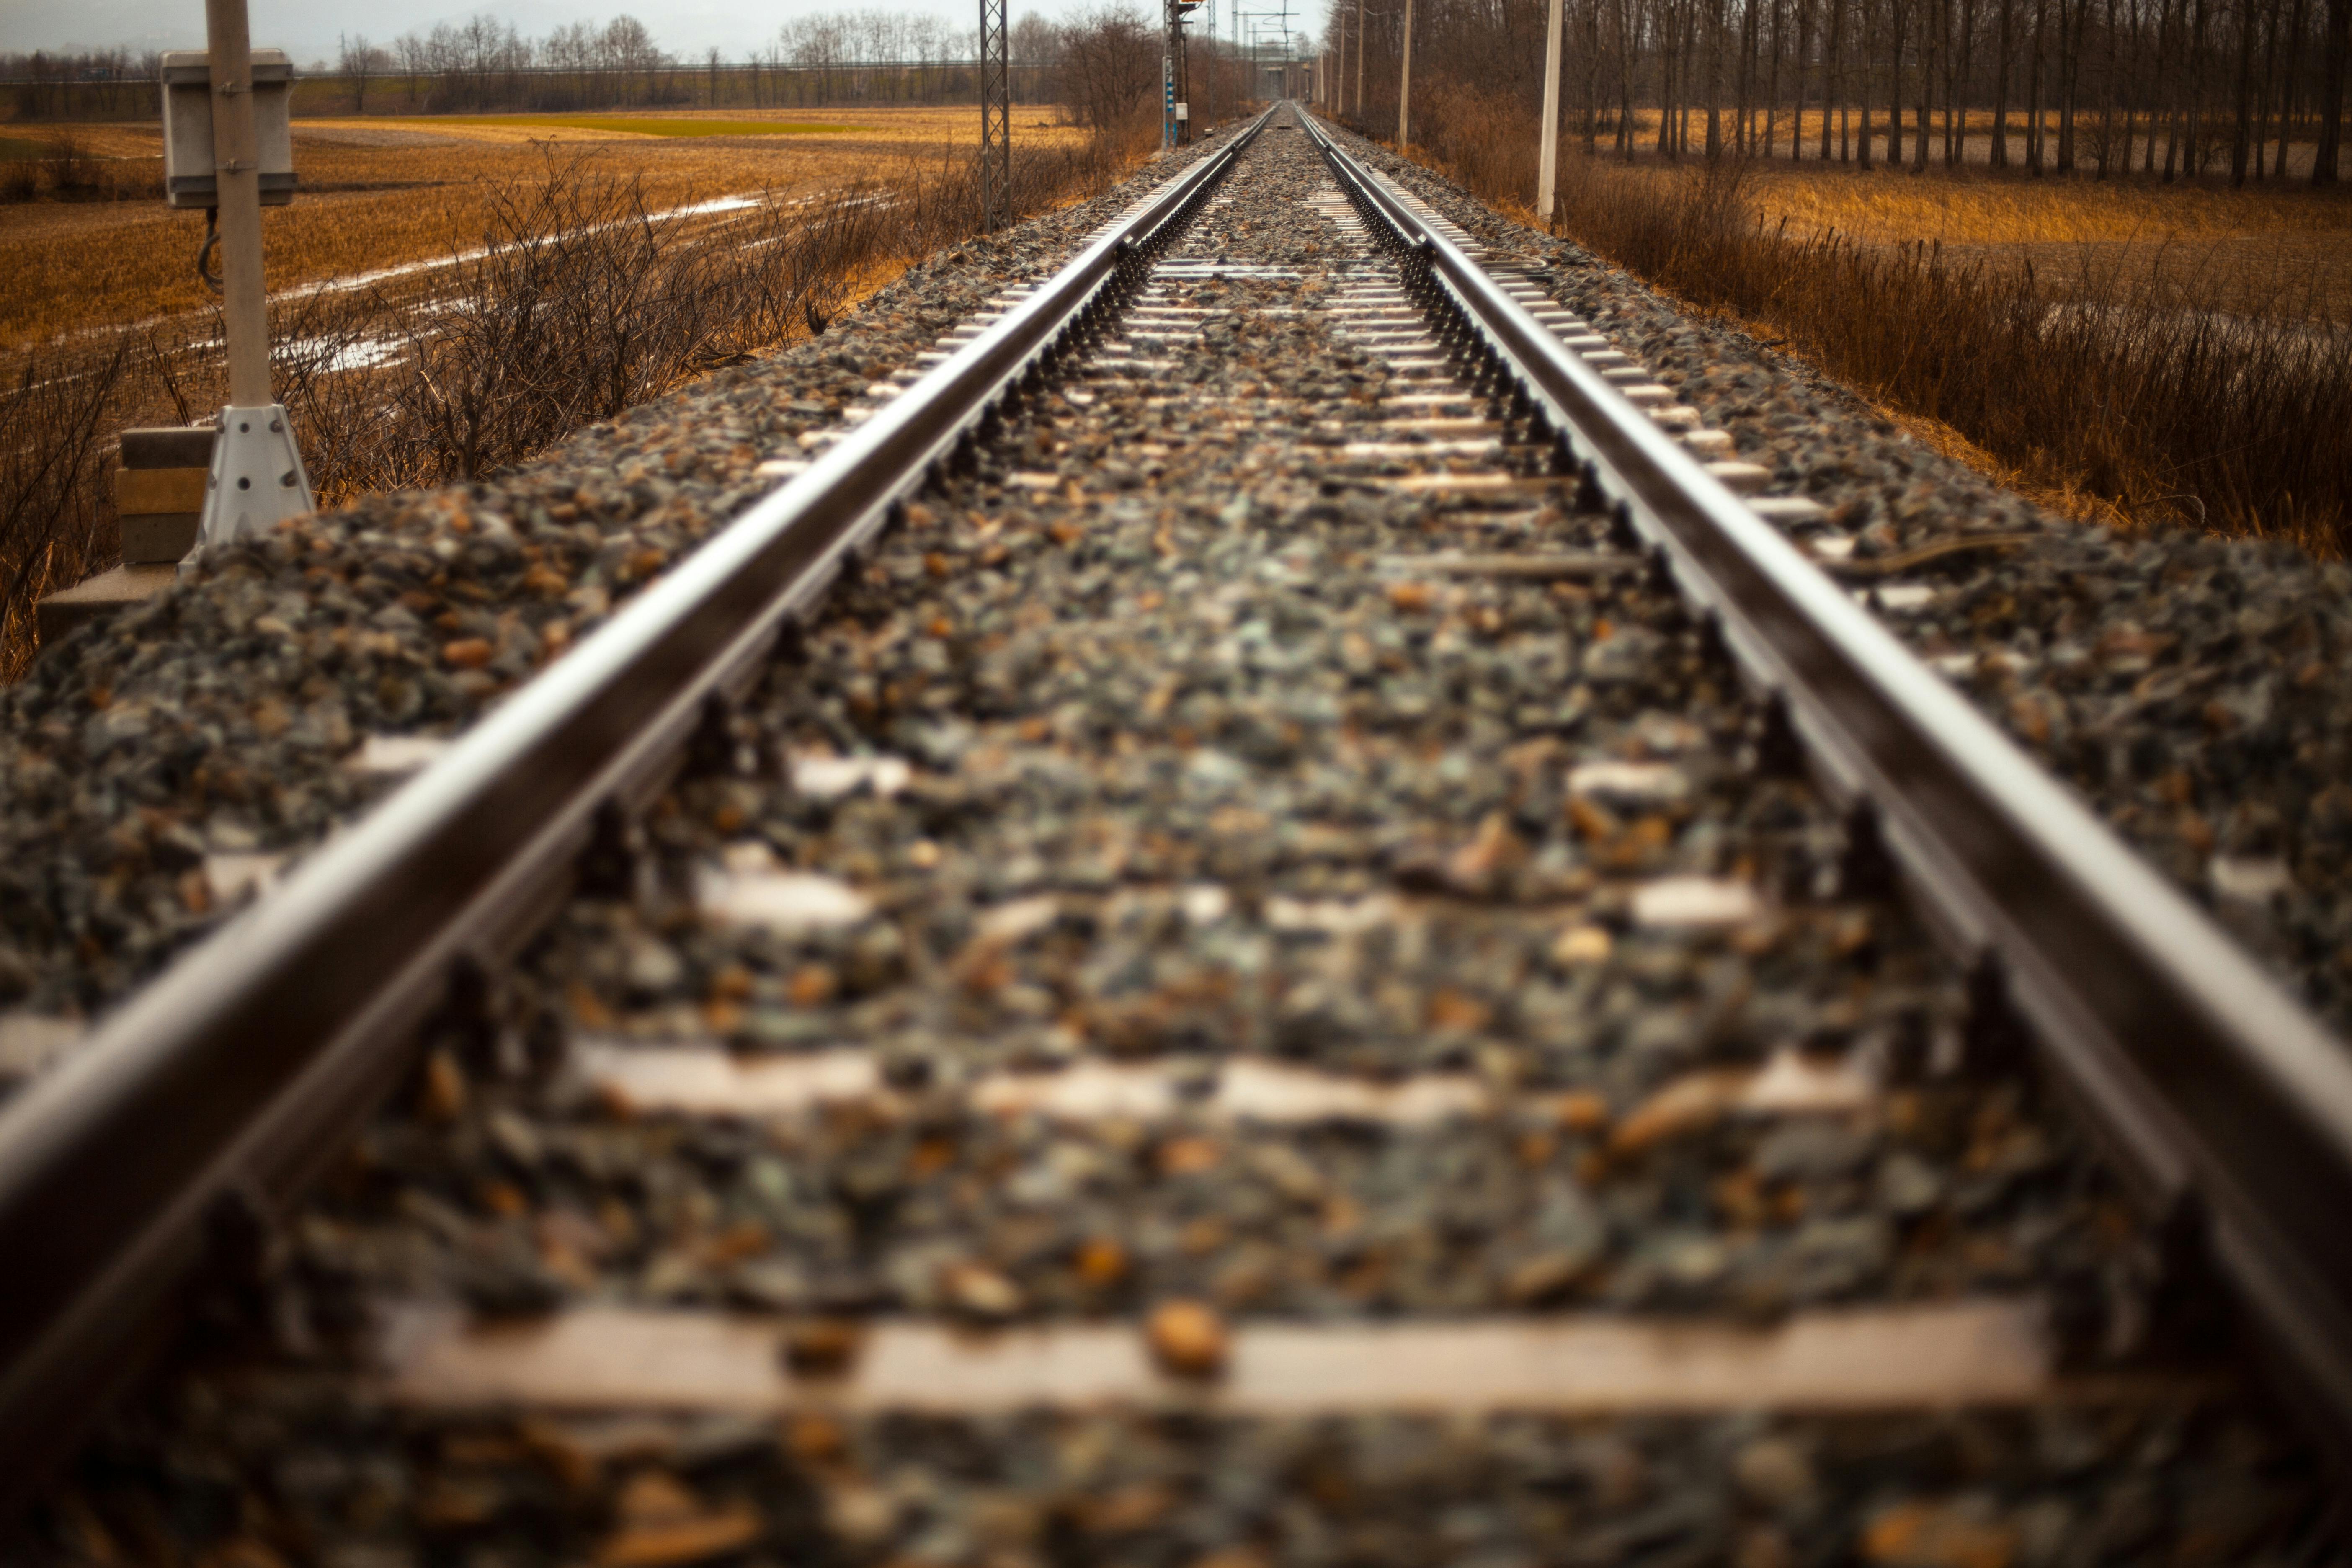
column 995, row 115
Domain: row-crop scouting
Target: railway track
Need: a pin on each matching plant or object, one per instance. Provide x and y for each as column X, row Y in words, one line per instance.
column 1255, row 920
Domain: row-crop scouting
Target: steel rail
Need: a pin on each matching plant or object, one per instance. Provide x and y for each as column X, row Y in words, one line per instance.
column 2224, row 1099
column 211, row 1094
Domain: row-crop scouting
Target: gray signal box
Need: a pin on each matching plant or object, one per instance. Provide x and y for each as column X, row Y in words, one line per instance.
column 188, row 157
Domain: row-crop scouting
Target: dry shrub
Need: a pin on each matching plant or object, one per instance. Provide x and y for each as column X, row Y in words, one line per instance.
column 938, row 205
column 65, row 169
column 576, row 303
column 20, row 181
column 55, row 518
column 2113, row 379
column 579, row 303
column 74, row 175
column 1110, row 55
column 1479, row 138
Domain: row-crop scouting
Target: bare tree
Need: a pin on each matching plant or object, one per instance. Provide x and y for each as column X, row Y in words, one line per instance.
column 2331, row 94
column 354, row 55
column 1110, row 58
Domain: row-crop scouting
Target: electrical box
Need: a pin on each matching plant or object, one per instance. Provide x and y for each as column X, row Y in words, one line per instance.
column 188, row 127
column 1183, row 113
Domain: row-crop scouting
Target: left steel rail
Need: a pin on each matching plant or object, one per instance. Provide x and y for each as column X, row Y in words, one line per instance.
column 210, row 1096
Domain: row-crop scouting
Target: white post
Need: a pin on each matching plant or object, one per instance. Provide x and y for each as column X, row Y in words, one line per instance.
column 256, row 480
column 1405, row 88
column 236, row 186
column 1359, row 56
column 1547, row 155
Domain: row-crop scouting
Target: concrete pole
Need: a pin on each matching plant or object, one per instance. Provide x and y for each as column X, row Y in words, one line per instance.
column 256, row 478
column 1360, row 56
column 1547, row 155
column 236, row 158
column 1405, row 88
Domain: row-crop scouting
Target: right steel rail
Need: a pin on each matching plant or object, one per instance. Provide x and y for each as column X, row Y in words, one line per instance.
column 2220, row 1096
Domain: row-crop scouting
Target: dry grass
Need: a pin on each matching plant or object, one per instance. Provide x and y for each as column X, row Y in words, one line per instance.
column 378, row 195
column 2132, row 392
column 579, row 303
column 1978, row 207
column 54, row 523
column 2251, row 251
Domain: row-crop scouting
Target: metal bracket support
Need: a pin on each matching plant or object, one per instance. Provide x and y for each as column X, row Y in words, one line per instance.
column 257, row 480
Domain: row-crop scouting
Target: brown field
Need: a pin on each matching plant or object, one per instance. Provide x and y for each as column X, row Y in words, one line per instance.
column 378, row 195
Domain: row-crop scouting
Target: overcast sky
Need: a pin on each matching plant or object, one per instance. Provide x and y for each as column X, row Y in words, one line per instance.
column 306, row 29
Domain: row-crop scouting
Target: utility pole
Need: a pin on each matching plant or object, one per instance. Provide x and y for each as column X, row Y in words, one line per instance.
column 256, row 480
column 995, row 116
column 1404, row 88
column 1547, row 155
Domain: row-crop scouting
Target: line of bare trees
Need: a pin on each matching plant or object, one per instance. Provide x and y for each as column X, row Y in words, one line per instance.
column 870, row 56
column 86, row 84
column 2174, row 88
